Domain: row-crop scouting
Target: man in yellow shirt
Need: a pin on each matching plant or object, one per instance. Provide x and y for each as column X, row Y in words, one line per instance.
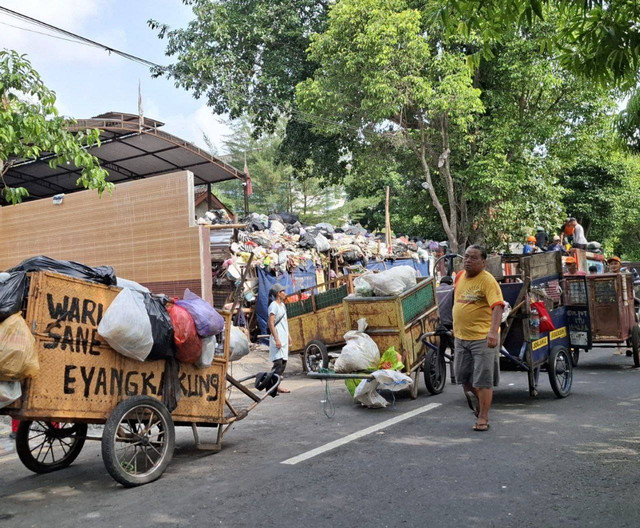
column 477, row 314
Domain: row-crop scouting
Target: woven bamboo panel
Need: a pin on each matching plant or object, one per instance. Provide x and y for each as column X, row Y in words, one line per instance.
column 145, row 229
column 81, row 377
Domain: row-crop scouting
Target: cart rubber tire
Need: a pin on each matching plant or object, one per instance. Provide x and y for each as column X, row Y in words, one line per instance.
column 36, row 463
column 114, row 425
column 433, row 364
column 635, row 345
column 560, row 369
column 575, row 356
column 314, row 355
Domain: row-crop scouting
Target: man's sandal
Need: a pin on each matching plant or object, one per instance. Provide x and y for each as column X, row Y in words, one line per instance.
column 481, row 428
column 473, row 402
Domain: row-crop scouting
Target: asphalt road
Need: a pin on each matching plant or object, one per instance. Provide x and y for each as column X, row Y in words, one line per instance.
column 545, row 462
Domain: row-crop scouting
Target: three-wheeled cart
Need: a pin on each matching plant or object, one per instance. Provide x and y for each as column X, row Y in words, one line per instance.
column 400, row 322
column 526, row 279
column 606, row 311
column 83, row 381
column 317, row 322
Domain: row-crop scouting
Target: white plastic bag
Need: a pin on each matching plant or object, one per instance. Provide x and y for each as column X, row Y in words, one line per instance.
column 239, row 345
column 277, row 227
column 126, row 325
column 10, row 391
column 132, row 285
column 366, row 393
column 322, row 244
column 392, row 380
column 360, row 352
column 208, row 351
column 392, row 282
column 362, row 287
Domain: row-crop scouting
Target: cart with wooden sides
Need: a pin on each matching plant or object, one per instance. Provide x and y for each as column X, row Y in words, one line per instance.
column 537, row 278
column 604, row 312
column 400, row 322
column 317, row 322
column 83, row 381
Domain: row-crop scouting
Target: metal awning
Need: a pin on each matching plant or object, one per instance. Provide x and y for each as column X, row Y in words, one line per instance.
column 129, row 150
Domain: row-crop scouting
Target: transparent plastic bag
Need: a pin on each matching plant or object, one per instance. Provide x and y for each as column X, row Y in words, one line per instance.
column 18, row 354
column 209, row 345
column 10, row 391
column 239, row 345
column 207, row 320
column 126, row 325
column 393, row 282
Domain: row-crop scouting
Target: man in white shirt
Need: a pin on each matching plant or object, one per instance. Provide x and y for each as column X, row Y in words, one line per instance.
column 579, row 240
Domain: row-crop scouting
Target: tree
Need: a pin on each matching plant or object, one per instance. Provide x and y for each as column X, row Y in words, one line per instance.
column 30, row 126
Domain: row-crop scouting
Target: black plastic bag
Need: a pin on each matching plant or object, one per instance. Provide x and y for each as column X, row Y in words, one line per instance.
column 307, row 241
column 101, row 274
column 275, row 217
column 12, row 293
column 289, row 218
column 161, row 328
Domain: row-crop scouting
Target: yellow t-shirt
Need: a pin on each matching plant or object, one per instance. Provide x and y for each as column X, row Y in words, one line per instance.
column 474, row 299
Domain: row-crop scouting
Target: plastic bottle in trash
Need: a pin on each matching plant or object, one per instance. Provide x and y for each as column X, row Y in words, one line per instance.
column 534, row 324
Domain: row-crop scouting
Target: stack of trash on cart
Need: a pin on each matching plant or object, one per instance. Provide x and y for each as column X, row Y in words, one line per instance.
column 137, row 324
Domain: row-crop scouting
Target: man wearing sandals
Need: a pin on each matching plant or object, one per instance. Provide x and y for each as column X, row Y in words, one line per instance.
column 477, row 313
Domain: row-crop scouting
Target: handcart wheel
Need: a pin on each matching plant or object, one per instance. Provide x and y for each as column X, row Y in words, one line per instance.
column 575, row 356
column 635, row 345
column 435, row 372
column 138, row 441
column 48, row 446
column 315, row 356
column 560, row 369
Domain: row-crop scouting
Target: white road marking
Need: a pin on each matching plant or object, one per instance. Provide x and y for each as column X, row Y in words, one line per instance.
column 359, row 434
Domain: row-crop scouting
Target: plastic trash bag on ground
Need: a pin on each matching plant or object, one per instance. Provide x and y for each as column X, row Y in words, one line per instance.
column 239, row 345
column 18, row 354
column 360, row 352
column 10, row 391
column 126, row 325
column 161, row 328
column 101, row 274
column 185, row 336
column 208, row 321
column 209, row 345
column 132, row 285
column 12, row 292
column 367, row 392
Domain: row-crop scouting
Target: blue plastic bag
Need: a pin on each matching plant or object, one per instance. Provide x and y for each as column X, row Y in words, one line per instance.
column 208, row 321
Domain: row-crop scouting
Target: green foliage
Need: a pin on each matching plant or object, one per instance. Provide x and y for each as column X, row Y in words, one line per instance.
column 30, row 126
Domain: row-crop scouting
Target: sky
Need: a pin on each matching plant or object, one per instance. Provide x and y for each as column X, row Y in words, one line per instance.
column 89, row 81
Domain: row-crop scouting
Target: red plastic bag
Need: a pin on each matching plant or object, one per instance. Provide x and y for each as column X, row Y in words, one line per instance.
column 187, row 340
column 546, row 324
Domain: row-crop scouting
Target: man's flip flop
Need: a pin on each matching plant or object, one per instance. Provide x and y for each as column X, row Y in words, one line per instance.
column 473, row 403
column 481, row 428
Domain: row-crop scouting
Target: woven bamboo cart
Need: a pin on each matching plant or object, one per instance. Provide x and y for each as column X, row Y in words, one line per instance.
column 83, row 381
column 318, row 322
column 400, row 322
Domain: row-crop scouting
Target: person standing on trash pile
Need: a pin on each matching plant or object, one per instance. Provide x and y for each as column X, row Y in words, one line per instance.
column 556, row 244
column 477, row 314
column 579, row 240
column 279, row 332
column 566, row 236
column 542, row 239
column 529, row 246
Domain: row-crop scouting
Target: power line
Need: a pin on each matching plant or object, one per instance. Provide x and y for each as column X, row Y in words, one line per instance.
column 47, row 34
column 77, row 38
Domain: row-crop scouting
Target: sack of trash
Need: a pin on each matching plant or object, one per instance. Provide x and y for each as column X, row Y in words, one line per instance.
column 161, row 328
column 18, row 354
column 185, row 336
column 12, row 291
column 132, row 285
column 367, row 392
column 393, row 282
column 100, row 274
column 126, row 325
column 239, row 344
column 322, row 244
column 10, row 391
column 359, row 353
column 362, row 288
column 208, row 321
column 209, row 345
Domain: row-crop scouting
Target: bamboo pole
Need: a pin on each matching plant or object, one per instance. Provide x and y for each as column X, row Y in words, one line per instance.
column 387, row 219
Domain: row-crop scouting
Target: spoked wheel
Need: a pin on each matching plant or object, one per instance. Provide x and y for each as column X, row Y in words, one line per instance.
column 435, row 372
column 560, row 371
column 138, row 441
column 635, row 345
column 575, row 356
column 48, row 446
column 315, row 356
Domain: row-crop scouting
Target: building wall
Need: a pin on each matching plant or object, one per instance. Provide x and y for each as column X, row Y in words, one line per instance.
column 145, row 229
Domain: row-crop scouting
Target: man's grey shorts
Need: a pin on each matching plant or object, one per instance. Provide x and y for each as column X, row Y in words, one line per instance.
column 476, row 364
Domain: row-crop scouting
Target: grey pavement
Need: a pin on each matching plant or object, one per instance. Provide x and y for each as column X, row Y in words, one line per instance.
column 545, row 462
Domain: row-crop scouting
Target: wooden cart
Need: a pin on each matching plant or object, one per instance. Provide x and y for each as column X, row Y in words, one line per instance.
column 317, row 322
column 83, row 381
column 605, row 303
column 399, row 322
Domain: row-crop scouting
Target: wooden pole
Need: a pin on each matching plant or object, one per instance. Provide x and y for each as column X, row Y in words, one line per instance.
column 209, row 205
column 387, row 220
column 246, row 199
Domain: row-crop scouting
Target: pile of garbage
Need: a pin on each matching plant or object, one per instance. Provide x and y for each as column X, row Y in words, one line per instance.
column 137, row 324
